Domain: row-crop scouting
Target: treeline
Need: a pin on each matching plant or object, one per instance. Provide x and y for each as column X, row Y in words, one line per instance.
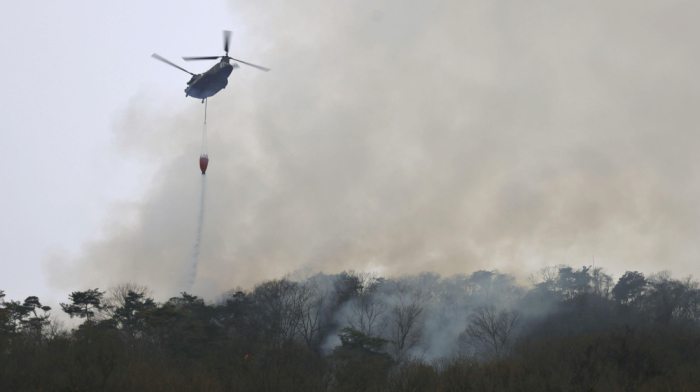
column 568, row 330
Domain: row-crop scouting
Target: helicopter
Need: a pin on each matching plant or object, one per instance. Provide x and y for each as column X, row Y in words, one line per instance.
column 207, row 84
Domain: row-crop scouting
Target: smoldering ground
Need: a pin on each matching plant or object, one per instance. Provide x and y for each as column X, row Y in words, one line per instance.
column 404, row 136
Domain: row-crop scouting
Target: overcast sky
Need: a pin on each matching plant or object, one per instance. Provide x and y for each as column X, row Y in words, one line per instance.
column 395, row 136
column 69, row 70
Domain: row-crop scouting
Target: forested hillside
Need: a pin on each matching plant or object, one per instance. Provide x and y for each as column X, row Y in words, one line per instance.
column 566, row 330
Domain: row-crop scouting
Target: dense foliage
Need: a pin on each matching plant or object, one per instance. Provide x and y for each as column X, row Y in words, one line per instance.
column 570, row 330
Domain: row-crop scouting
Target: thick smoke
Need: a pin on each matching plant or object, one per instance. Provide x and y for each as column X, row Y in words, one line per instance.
column 426, row 315
column 403, row 136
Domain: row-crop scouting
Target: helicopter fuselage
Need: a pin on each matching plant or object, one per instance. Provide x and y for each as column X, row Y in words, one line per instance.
column 211, row 82
column 207, row 84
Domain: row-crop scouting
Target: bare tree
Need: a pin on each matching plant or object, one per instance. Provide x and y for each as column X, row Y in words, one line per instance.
column 406, row 320
column 311, row 303
column 546, row 276
column 602, row 283
column 368, row 315
column 54, row 329
column 490, row 330
column 279, row 301
column 669, row 299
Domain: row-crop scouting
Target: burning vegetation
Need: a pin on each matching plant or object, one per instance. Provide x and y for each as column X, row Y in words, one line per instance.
column 568, row 330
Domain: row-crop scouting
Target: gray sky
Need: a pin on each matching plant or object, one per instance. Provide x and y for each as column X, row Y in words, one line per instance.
column 395, row 136
column 69, row 70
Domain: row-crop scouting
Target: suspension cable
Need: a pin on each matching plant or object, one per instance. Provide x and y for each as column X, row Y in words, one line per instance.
column 205, row 146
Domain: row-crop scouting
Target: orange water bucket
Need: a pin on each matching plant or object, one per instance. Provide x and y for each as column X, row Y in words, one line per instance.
column 203, row 163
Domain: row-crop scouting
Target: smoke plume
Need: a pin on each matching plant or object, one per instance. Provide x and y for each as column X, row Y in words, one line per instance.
column 405, row 136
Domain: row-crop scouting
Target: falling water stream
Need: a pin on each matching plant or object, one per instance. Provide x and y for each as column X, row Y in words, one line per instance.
column 203, row 161
column 192, row 273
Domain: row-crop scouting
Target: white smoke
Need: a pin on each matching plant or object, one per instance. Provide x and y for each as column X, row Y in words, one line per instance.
column 192, row 273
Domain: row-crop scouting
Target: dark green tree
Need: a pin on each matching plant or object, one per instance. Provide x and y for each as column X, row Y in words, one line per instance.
column 629, row 287
column 360, row 364
column 17, row 317
column 573, row 282
column 130, row 316
column 184, row 325
column 4, row 313
column 352, row 339
column 84, row 304
column 347, row 286
column 35, row 322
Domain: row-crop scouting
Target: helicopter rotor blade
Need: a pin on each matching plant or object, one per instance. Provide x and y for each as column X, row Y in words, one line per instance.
column 157, row 57
column 201, row 58
column 252, row 65
column 227, row 38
